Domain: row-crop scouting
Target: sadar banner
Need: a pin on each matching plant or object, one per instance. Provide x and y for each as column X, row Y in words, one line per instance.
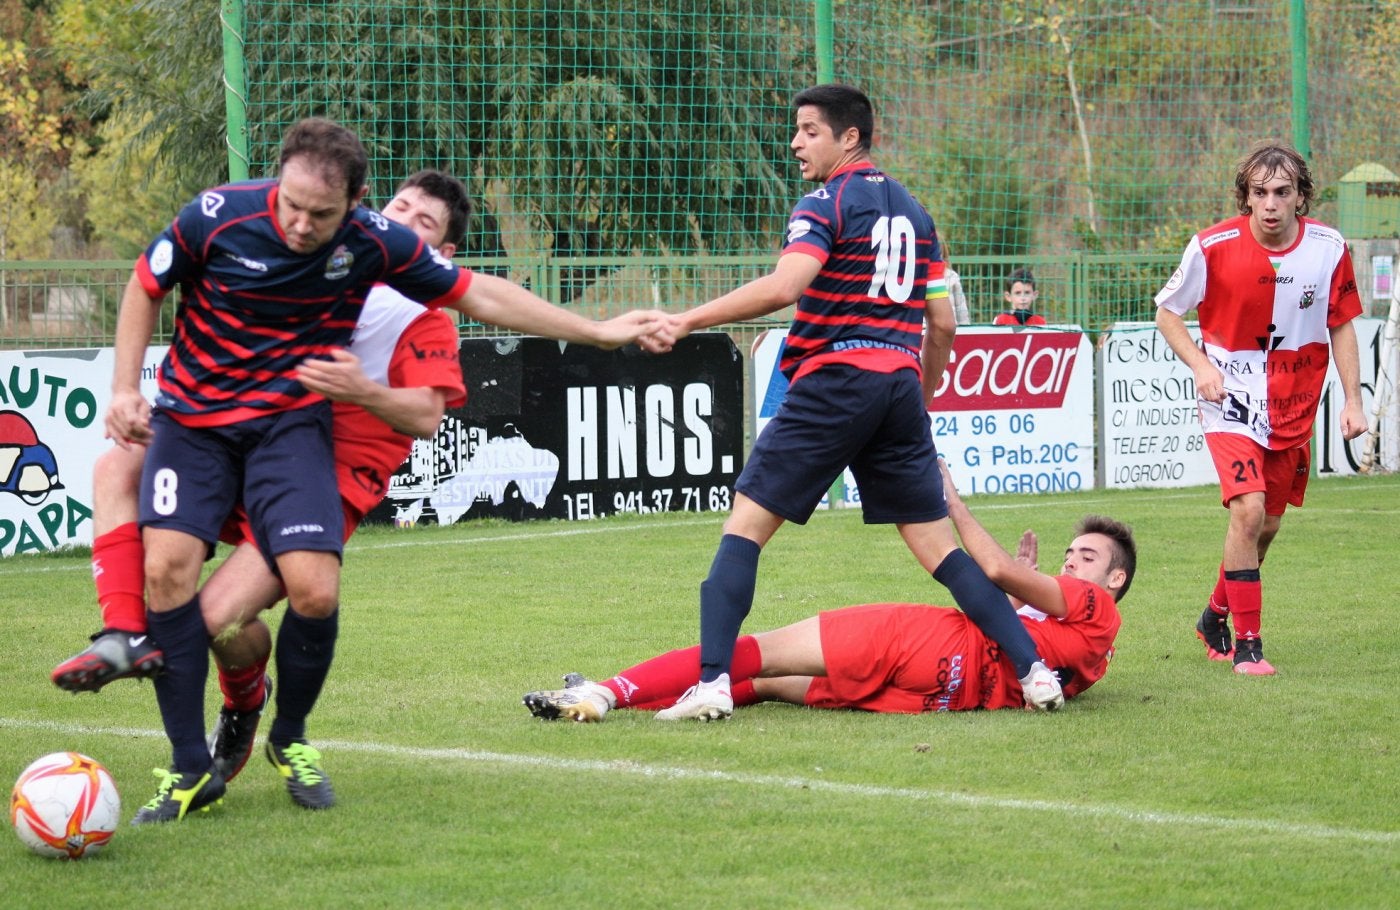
column 573, row 432
column 1014, row 412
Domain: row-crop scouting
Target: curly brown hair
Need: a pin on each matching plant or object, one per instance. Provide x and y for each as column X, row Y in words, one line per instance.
column 1270, row 158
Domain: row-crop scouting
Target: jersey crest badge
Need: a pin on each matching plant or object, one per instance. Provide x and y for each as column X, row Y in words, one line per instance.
column 338, row 266
column 1307, row 299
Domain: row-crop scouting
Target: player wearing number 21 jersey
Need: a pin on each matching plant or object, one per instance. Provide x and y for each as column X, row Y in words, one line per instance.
column 861, row 263
column 1274, row 293
column 1265, row 318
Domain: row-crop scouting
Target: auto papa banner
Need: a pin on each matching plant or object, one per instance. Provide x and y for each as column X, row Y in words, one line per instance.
column 51, row 409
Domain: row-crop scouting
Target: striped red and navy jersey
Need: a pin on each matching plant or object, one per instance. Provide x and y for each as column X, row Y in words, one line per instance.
column 879, row 251
column 251, row 309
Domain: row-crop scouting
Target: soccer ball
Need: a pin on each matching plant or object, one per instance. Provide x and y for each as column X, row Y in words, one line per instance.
column 65, row 805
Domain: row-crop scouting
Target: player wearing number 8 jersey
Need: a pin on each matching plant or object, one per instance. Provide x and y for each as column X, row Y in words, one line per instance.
column 861, row 262
column 1271, row 289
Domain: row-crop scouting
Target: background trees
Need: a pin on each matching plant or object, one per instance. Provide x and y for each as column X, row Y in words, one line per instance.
column 609, row 129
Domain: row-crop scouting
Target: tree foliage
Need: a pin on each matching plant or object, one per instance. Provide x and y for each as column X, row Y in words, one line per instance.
column 154, row 70
column 613, row 127
column 32, row 149
column 608, row 127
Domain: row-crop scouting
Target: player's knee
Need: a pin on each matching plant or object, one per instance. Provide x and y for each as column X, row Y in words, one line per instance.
column 117, row 471
column 314, row 603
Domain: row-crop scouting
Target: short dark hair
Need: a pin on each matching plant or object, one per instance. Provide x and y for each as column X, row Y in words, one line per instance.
column 450, row 191
column 842, row 107
column 331, row 148
column 1272, row 158
column 1124, row 555
column 1022, row 275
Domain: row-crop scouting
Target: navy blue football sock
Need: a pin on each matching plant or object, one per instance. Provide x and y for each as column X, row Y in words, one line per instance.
column 726, row 597
column 180, row 689
column 305, row 649
column 987, row 606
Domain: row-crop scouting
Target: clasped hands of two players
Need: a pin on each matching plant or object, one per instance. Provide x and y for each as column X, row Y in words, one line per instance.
column 662, row 331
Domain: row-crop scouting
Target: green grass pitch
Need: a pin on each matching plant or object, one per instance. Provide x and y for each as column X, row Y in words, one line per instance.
column 1172, row 783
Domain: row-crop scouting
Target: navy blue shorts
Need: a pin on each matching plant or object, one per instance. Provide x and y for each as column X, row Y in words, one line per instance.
column 839, row 416
column 281, row 467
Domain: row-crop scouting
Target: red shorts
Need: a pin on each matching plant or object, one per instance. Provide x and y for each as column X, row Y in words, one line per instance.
column 898, row 659
column 1244, row 466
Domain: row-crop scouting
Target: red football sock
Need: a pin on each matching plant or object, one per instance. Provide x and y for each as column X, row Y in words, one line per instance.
column 658, row 682
column 119, row 572
column 1220, row 597
column 1246, row 594
column 243, row 689
column 742, row 693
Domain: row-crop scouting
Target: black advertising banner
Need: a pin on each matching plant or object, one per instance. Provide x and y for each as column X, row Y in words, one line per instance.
column 570, row 431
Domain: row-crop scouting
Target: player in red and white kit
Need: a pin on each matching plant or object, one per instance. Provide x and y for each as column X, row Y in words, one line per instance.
column 1271, row 288
column 394, row 383
column 905, row 658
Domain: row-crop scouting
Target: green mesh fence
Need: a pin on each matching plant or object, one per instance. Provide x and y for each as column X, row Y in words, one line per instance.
column 624, row 153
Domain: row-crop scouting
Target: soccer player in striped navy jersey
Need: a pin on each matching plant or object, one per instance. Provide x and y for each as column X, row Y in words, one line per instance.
column 1273, row 291
column 271, row 273
column 393, row 383
column 861, row 261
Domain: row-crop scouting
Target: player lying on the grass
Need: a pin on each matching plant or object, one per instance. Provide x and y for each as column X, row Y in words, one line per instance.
column 400, row 374
column 904, row 658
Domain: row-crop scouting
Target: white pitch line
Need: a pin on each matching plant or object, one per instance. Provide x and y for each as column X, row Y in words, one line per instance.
column 524, row 535
column 353, row 546
column 1252, row 825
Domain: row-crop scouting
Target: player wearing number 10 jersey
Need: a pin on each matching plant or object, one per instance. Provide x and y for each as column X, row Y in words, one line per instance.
column 861, row 262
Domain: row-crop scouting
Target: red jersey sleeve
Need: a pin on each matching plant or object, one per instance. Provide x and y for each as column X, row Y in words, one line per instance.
column 1344, row 301
column 427, row 355
column 1082, row 641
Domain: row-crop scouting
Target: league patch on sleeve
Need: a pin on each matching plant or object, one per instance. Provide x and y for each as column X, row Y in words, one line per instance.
column 162, row 255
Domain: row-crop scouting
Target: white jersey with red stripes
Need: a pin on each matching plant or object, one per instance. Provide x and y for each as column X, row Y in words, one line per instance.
column 1265, row 318
column 401, row 345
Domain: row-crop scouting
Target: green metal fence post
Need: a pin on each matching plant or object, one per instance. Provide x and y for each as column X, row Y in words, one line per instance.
column 826, row 71
column 235, row 88
column 1298, row 38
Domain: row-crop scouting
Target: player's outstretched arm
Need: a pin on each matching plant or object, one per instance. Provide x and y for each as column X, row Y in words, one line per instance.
column 942, row 327
column 1013, row 576
column 416, row 410
column 779, row 288
column 496, row 301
